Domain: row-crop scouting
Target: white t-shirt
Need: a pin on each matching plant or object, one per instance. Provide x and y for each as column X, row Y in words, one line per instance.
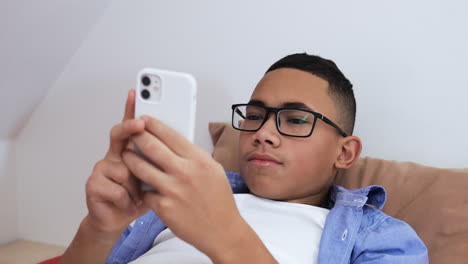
column 290, row 231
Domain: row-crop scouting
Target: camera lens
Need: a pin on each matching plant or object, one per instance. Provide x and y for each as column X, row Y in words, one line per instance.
column 145, row 94
column 145, row 80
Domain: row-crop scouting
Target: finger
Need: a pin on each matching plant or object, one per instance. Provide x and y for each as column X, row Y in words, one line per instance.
column 108, row 191
column 119, row 137
column 156, row 202
column 156, row 151
column 146, row 172
column 120, row 174
column 130, row 146
column 175, row 141
column 130, row 105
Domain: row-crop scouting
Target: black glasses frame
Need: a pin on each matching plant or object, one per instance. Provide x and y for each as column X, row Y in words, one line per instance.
column 278, row 110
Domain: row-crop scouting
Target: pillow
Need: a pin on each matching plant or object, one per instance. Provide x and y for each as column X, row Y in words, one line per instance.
column 433, row 201
column 225, row 149
column 51, row 261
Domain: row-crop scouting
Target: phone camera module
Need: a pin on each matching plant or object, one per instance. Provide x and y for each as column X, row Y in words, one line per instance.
column 145, row 94
column 145, row 80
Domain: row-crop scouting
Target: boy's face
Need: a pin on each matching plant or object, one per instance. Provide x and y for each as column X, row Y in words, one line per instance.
column 287, row 168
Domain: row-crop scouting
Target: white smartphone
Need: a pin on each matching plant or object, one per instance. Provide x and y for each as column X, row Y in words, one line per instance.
column 168, row 96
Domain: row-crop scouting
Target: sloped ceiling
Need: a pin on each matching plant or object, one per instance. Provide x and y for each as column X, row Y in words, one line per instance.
column 37, row 39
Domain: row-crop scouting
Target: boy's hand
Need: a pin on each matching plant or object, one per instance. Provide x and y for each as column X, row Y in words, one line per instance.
column 193, row 196
column 112, row 193
column 112, row 196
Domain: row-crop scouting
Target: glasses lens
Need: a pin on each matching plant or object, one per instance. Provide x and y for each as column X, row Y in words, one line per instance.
column 248, row 117
column 295, row 122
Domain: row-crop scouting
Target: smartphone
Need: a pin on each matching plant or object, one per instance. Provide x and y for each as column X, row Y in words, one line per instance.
column 167, row 96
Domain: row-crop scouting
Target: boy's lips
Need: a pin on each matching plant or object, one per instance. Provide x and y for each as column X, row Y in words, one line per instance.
column 263, row 159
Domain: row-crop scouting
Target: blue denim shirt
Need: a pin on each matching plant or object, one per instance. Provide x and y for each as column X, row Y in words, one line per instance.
column 354, row 231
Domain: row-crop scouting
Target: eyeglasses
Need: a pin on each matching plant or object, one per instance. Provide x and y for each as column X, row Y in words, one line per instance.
column 289, row 121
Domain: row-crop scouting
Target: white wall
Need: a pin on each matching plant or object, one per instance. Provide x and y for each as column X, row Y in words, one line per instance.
column 37, row 39
column 406, row 60
column 8, row 194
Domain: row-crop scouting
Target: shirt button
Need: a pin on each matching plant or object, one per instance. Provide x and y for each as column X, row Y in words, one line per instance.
column 344, row 235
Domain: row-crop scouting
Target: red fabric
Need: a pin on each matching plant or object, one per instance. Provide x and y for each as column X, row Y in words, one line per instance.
column 51, row 261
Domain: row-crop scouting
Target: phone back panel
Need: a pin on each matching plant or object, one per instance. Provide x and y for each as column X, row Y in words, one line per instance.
column 176, row 104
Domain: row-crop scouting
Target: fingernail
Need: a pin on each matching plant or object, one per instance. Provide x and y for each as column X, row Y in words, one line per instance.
column 144, row 118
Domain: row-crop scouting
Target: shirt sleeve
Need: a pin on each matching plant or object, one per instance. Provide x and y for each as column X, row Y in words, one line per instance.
column 118, row 244
column 136, row 240
column 389, row 241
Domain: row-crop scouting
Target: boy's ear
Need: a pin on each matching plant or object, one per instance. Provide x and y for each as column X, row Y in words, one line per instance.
column 350, row 150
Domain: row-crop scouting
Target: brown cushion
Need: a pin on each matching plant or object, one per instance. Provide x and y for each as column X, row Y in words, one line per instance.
column 225, row 148
column 433, row 201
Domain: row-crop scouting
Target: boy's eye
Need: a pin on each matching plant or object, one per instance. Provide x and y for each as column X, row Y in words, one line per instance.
column 295, row 118
column 298, row 121
column 254, row 117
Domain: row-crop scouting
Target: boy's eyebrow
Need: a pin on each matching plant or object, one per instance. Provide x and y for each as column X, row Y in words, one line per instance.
column 298, row 105
column 256, row 102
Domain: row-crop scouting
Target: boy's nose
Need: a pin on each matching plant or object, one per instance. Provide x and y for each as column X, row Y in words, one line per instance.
column 268, row 133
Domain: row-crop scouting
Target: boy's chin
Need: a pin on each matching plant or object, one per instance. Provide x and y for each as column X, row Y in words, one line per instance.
column 263, row 185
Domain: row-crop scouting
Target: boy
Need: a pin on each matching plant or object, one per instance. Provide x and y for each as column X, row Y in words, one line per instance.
column 296, row 133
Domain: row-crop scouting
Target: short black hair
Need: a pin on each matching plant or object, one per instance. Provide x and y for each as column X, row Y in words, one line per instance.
column 340, row 88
